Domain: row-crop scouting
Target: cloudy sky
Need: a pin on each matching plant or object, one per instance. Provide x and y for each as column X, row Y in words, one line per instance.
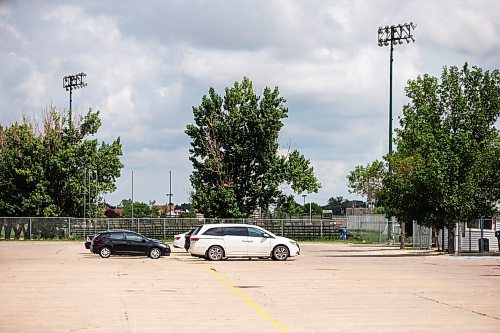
column 149, row 62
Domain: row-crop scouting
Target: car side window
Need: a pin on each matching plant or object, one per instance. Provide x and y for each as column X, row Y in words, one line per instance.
column 253, row 232
column 133, row 237
column 213, row 232
column 116, row 235
column 235, row 231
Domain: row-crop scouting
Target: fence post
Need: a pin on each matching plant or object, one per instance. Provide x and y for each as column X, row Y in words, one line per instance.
column 380, row 232
column 282, row 229
column 31, row 231
column 321, row 228
column 69, row 227
column 164, row 231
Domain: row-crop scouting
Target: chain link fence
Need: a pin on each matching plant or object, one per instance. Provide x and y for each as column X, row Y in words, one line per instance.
column 366, row 228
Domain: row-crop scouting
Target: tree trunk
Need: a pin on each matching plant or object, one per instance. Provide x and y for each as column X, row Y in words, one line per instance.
column 436, row 236
column 402, row 235
column 17, row 231
column 2, row 222
column 27, row 231
column 8, row 229
column 451, row 239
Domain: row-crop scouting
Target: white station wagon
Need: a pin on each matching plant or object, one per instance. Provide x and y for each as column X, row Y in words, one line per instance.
column 218, row 241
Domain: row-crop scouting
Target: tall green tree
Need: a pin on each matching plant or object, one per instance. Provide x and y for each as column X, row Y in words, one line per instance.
column 47, row 168
column 234, row 153
column 141, row 209
column 338, row 205
column 446, row 166
column 314, row 208
column 286, row 207
column 367, row 180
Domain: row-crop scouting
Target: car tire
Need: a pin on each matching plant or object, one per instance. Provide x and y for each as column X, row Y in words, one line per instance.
column 280, row 252
column 215, row 253
column 155, row 253
column 105, row 252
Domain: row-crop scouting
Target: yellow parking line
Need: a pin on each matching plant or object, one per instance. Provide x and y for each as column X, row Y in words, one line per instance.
column 246, row 299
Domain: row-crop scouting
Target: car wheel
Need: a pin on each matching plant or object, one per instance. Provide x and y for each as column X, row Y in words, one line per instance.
column 105, row 252
column 154, row 253
column 280, row 252
column 215, row 253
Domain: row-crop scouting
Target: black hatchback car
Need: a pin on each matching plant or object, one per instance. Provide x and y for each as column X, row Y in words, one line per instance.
column 120, row 242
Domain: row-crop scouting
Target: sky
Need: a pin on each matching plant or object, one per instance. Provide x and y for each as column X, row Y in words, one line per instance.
column 149, row 62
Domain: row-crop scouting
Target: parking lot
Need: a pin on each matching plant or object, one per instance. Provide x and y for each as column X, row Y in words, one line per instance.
column 61, row 287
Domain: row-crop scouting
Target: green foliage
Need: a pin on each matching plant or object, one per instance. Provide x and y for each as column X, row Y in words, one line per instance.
column 234, row 153
column 141, row 209
column 367, row 180
column 315, row 208
column 446, row 166
column 43, row 165
column 287, row 206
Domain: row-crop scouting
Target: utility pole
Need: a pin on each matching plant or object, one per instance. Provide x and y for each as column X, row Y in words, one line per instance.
column 393, row 35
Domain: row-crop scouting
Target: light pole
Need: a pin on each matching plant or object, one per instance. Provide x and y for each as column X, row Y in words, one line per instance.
column 71, row 82
column 170, row 195
column 304, row 196
column 310, row 214
column 395, row 34
column 132, row 196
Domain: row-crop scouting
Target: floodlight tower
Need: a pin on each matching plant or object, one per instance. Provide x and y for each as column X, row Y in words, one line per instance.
column 71, row 82
column 395, row 34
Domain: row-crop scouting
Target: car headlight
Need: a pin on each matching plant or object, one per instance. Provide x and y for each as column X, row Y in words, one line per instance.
column 294, row 243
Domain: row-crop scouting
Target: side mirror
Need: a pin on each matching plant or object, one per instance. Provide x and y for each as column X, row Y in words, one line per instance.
column 266, row 235
column 143, row 240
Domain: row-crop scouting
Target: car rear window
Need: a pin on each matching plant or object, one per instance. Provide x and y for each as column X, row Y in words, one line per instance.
column 236, row 231
column 195, row 231
column 213, row 232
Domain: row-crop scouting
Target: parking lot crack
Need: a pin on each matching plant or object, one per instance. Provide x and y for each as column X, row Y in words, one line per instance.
column 457, row 307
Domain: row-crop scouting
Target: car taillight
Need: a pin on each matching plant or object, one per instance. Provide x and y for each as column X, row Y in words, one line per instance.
column 177, row 238
column 96, row 241
column 195, row 239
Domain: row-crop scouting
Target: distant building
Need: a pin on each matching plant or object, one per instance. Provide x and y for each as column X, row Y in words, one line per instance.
column 112, row 211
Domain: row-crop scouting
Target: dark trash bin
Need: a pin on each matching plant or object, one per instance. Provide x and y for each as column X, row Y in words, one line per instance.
column 343, row 233
column 497, row 235
column 484, row 245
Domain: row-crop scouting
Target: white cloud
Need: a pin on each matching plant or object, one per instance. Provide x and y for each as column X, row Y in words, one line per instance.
column 34, row 89
column 147, row 65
